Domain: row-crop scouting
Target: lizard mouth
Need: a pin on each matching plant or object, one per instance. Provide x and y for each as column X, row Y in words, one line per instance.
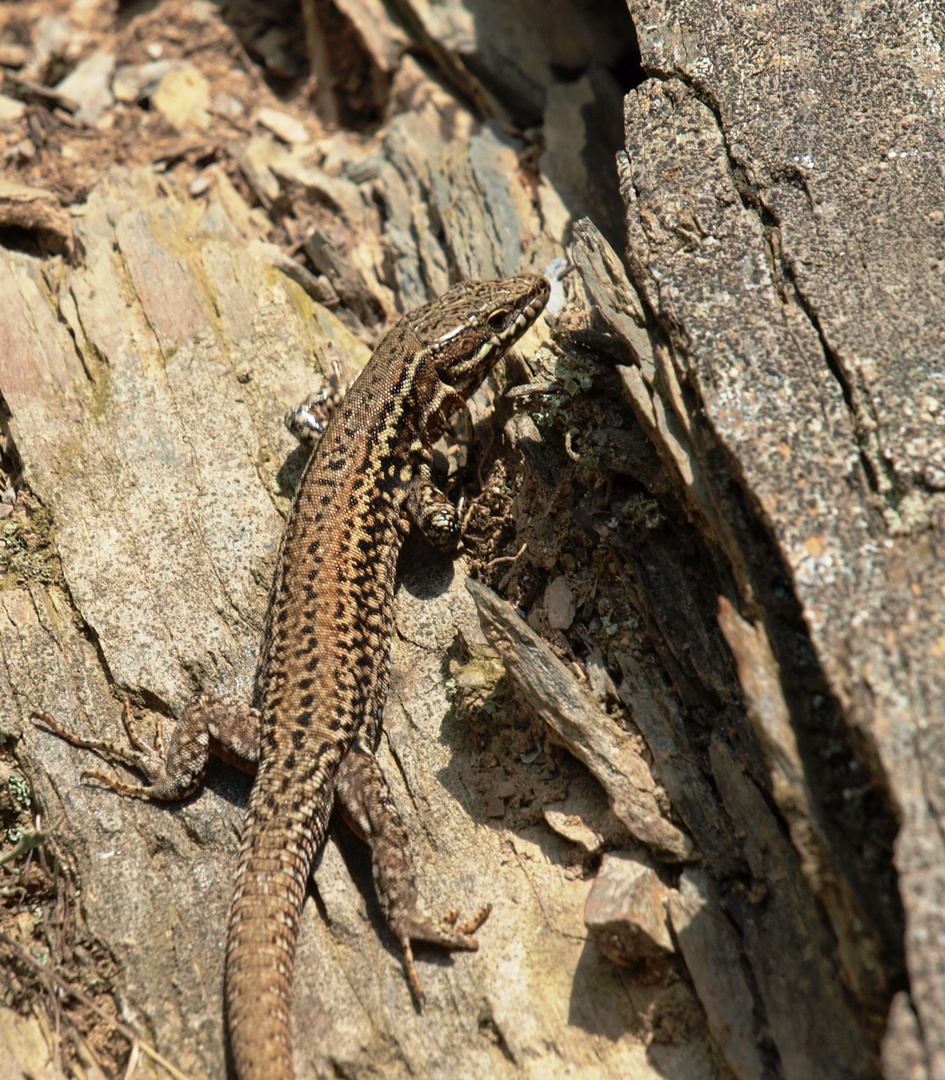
column 524, row 319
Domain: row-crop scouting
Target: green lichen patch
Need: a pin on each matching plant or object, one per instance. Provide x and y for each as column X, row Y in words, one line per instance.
column 27, row 548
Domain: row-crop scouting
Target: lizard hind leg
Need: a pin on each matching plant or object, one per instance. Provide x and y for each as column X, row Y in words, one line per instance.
column 226, row 725
column 145, row 759
column 367, row 805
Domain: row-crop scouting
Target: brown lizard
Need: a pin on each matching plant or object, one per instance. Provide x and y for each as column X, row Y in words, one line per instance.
column 323, row 667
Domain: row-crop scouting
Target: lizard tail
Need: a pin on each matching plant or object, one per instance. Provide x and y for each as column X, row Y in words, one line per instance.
column 264, row 928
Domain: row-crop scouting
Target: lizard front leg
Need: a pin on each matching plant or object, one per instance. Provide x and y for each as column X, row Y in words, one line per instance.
column 211, row 723
column 366, row 802
column 307, row 421
column 430, row 510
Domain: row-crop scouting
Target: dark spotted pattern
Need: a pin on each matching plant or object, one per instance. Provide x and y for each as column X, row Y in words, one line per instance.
column 329, row 626
column 323, row 668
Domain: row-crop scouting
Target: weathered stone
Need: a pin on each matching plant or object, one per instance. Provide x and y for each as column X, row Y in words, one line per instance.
column 625, row 913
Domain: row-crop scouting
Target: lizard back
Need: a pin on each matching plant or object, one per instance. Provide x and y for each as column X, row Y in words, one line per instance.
column 323, row 669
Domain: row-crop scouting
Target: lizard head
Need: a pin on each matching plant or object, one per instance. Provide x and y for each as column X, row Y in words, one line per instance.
column 469, row 328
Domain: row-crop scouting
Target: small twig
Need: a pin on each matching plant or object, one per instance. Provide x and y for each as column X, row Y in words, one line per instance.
column 473, row 503
column 26, row 843
column 31, row 86
column 507, row 558
column 533, row 389
column 133, row 1058
column 66, row 987
column 572, row 454
column 321, row 89
column 483, row 457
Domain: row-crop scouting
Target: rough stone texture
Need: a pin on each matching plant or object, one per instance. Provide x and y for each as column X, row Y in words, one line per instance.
column 711, row 950
column 147, row 388
column 784, row 195
column 625, row 912
column 778, row 333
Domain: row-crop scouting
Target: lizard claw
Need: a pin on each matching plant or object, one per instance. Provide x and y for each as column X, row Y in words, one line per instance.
column 444, row 933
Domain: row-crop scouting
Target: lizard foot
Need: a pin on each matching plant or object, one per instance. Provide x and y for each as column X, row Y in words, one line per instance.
column 149, row 760
column 307, row 421
column 446, row 933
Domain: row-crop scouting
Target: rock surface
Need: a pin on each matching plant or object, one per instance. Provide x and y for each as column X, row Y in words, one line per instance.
column 785, row 225
column 711, row 505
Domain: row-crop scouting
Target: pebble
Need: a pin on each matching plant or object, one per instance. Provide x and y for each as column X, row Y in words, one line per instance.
column 88, row 84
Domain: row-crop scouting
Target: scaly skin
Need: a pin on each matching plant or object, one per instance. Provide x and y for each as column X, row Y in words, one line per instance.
column 324, row 664
column 323, row 667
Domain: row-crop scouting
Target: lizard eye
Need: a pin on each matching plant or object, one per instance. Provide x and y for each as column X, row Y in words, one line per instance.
column 498, row 319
